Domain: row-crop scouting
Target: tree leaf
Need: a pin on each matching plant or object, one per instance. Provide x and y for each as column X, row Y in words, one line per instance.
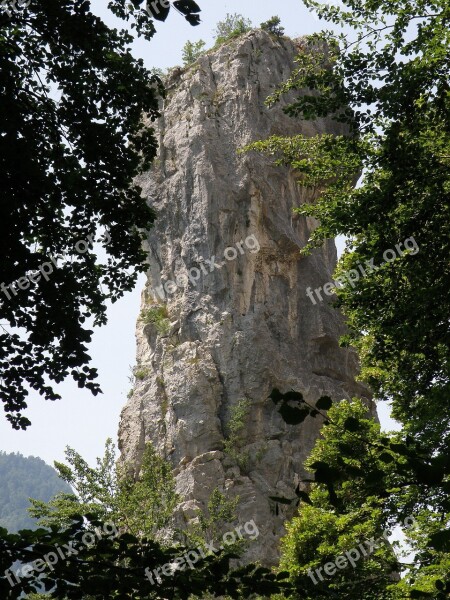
column 352, row 424
column 293, row 415
column 158, row 9
column 324, row 403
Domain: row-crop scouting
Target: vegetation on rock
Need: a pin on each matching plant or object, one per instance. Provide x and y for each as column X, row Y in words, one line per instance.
column 273, row 26
column 142, row 505
column 233, row 26
column 157, row 316
column 192, row 51
column 234, row 429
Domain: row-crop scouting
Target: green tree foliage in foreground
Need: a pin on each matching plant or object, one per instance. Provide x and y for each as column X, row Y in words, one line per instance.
column 72, row 139
column 388, row 80
column 358, row 497
column 22, row 478
column 110, row 539
column 142, row 506
column 114, row 567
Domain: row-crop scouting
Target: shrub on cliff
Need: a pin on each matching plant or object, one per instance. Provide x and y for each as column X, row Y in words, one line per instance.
column 231, row 27
column 273, row 26
column 192, row 51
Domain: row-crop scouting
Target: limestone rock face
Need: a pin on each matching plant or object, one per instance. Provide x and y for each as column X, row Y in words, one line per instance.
column 242, row 323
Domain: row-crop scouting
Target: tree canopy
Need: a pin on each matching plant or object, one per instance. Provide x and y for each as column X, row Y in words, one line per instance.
column 388, row 79
column 106, row 541
column 142, row 506
column 72, row 140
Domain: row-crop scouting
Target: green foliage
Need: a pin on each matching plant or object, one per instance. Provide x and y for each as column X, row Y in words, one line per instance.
column 22, row 478
column 192, row 51
column 233, row 26
column 233, row 439
column 142, row 506
column 220, row 513
column 397, row 110
column 141, row 373
column 160, row 73
column 366, row 483
column 157, row 316
column 71, row 148
column 115, row 567
column 273, row 26
column 118, row 563
column 386, row 81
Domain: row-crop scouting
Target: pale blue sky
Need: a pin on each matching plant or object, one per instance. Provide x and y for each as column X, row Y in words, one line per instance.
column 79, row 419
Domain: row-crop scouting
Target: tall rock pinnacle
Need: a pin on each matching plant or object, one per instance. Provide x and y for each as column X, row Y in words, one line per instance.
column 225, row 316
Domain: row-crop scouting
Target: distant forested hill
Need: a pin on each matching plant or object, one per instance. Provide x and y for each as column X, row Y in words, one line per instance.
column 22, row 478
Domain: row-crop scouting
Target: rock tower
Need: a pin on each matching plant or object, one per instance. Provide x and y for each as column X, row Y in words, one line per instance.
column 225, row 313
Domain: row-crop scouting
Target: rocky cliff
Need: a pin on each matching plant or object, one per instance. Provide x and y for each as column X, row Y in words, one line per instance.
column 225, row 316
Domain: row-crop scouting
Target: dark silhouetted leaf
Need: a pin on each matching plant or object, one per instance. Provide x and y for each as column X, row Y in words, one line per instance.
column 293, row 415
column 292, row 396
column 281, row 500
column 441, row 540
column 351, row 424
column 324, row 403
column 187, row 6
column 276, row 395
column 386, row 457
column 158, row 9
column 399, row 448
column 193, row 19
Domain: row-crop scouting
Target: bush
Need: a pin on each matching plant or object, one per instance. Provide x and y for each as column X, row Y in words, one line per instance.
column 141, row 373
column 157, row 316
column 273, row 26
column 192, row 51
column 235, row 426
column 233, row 26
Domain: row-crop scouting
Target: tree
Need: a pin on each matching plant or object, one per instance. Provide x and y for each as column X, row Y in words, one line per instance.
column 142, row 506
column 337, row 517
column 365, row 483
column 192, row 51
column 100, row 564
column 389, row 84
column 107, row 541
column 234, row 25
column 273, row 26
column 72, row 140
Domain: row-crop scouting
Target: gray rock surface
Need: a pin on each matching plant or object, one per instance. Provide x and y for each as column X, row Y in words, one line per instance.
column 242, row 327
